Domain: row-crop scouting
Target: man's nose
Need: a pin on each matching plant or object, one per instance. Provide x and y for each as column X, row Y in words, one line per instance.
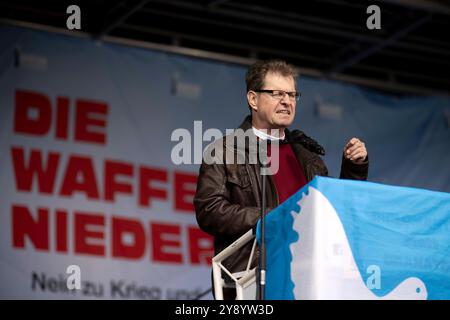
column 285, row 99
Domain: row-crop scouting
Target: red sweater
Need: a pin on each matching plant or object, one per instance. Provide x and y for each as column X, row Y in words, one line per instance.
column 290, row 176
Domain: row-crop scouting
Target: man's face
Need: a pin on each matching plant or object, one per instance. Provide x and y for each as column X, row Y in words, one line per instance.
column 273, row 112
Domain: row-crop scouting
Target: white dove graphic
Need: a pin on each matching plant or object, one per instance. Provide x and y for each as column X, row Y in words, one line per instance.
column 323, row 266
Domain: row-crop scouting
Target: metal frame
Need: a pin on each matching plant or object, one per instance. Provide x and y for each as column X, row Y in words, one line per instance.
column 377, row 47
column 379, row 84
column 242, row 280
column 108, row 28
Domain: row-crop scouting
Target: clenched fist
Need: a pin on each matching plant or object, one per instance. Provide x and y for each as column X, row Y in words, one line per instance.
column 355, row 151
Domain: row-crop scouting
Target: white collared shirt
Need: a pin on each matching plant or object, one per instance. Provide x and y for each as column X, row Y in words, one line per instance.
column 264, row 136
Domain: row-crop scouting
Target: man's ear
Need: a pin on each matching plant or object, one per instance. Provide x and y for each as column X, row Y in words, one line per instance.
column 252, row 99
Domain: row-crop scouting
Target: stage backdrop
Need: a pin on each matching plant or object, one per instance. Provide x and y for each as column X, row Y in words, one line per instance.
column 86, row 174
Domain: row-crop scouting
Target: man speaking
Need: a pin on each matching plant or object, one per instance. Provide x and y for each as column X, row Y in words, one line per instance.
column 228, row 197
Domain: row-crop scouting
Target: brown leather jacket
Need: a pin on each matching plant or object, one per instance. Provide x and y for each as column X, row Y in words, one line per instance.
column 228, row 197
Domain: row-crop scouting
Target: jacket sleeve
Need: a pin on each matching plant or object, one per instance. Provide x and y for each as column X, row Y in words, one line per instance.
column 216, row 215
column 350, row 170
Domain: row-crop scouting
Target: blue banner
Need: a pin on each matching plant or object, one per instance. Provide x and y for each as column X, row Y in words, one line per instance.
column 343, row 239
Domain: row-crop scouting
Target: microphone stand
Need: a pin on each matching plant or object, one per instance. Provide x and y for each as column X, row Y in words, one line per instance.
column 262, row 256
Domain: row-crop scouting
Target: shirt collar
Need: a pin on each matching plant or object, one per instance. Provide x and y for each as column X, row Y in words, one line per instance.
column 264, row 136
